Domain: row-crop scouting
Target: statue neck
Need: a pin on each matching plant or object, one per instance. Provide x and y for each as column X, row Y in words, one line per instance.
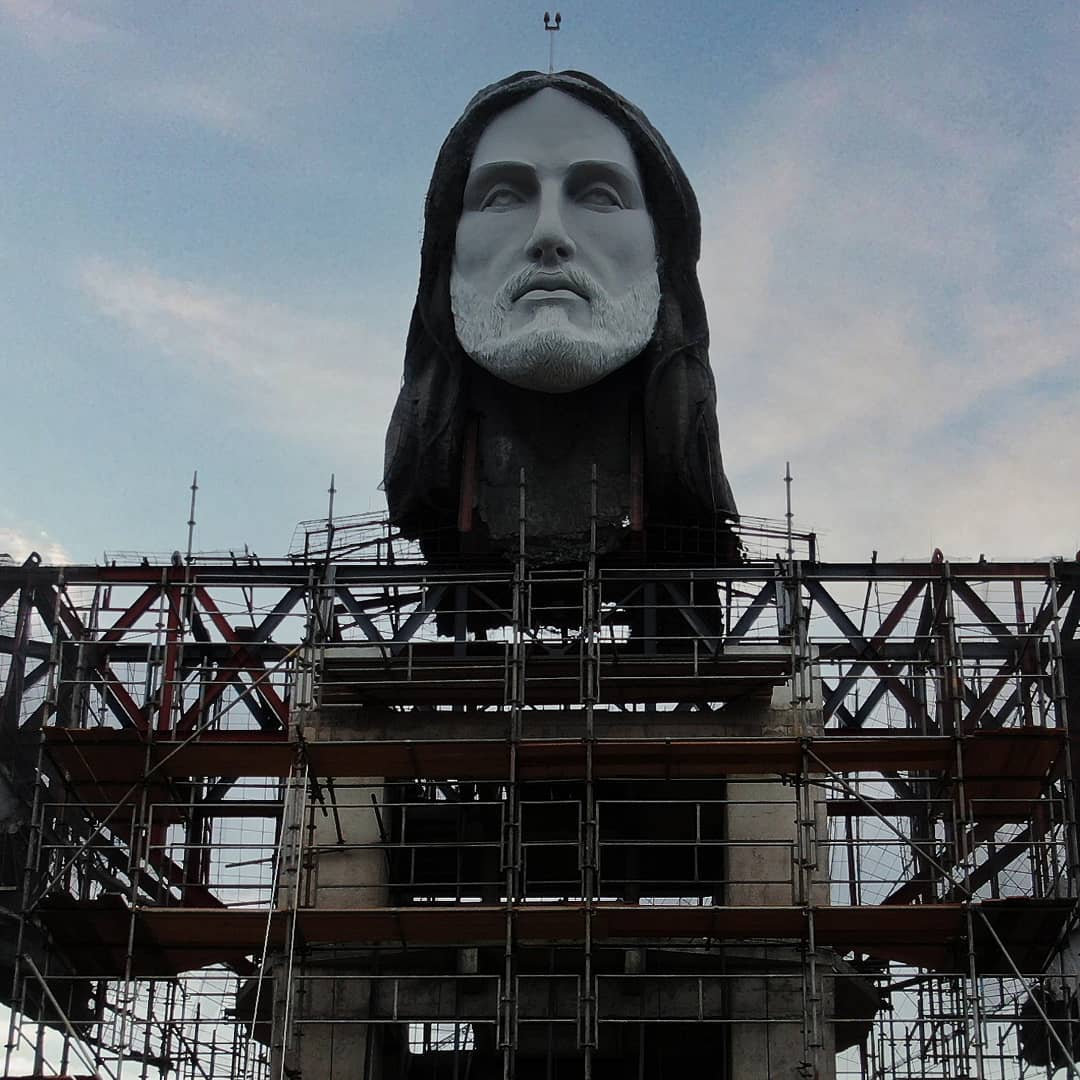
column 556, row 439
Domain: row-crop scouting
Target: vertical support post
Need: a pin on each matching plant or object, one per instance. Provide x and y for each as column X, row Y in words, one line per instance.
column 304, row 688
column 37, row 812
column 33, row 854
column 950, row 700
column 1061, row 721
column 293, row 854
column 806, row 853
column 179, row 601
column 951, row 694
column 512, row 820
column 139, row 852
column 963, row 828
column 590, row 693
column 173, row 632
column 12, row 696
column 972, row 1002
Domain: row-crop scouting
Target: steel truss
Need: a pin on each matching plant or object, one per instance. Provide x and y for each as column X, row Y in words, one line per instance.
column 476, row 819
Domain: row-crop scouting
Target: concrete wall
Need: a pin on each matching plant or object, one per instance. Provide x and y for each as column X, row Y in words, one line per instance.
column 763, row 871
column 346, row 871
column 768, row 998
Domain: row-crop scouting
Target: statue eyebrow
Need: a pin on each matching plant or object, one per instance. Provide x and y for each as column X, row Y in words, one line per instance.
column 524, row 174
column 625, row 181
column 481, row 178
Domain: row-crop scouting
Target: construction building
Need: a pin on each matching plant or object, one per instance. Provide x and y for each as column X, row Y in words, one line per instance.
column 351, row 813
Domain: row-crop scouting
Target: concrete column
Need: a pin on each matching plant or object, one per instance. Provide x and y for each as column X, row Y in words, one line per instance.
column 772, row 1001
column 340, row 1051
column 346, row 870
column 349, row 871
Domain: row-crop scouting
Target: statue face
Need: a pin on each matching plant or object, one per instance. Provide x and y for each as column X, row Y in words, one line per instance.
column 554, row 282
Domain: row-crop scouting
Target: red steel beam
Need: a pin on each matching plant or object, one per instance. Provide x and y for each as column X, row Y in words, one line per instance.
column 256, row 670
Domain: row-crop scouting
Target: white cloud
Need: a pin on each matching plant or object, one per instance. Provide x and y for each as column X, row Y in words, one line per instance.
column 52, row 24
column 263, row 76
column 328, row 381
column 137, row 78
column 243, row 74
column 890, row 266
column 18, row 542
column 208, row 105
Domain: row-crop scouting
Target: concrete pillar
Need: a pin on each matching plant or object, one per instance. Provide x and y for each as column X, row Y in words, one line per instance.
column 349, row 871
column 343, row 866
column 337, row 1050
column 773, row 988
column 773, row 1001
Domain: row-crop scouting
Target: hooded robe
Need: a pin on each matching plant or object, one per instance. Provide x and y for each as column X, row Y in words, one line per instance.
column 684, row 481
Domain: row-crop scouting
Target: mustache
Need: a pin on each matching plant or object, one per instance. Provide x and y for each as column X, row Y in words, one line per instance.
column 571, row 278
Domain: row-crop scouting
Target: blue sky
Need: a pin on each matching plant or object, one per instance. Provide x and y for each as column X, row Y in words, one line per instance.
column 210, row 224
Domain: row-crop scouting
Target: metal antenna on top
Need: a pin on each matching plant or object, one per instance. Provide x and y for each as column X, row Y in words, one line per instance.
column 331, row 491
column 788, row 515
column 191, row 514
column 551, row 28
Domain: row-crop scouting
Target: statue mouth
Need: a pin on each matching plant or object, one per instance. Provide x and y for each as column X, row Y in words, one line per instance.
column 544, row 286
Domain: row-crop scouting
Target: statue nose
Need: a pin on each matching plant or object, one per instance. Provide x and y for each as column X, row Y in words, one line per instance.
column 550, row 242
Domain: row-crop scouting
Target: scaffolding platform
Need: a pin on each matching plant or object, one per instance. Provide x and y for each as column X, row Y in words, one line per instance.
column 170, row 941
column 103, row 764
column 827, row 807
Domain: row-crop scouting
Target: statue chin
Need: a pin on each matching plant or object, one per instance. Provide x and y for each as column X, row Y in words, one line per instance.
column 553, row 362
column 550, row 354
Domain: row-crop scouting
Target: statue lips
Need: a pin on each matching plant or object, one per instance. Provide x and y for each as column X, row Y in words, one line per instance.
column 544, row 287
column 551, row 294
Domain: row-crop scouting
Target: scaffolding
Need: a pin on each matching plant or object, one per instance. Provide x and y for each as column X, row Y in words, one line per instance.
column 349, row 812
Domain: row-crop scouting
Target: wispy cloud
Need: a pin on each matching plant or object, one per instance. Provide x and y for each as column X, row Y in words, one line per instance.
column 890, row 264
column 54, row 24
column 18, row 542
column 240, row 74
column 210, row 106
column 316, row 378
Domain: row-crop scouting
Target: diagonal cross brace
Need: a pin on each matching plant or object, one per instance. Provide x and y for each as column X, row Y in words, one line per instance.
column 53, row 609
column 979, row 714
column 888, row 625
column 712, row 641
column 245, row 660
column 851, row 632
column 363, row 619
column 417, row 619
column 765, row 598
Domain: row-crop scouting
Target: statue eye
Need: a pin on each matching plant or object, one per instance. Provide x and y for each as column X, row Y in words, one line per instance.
column 601, row 197
column 501, row 198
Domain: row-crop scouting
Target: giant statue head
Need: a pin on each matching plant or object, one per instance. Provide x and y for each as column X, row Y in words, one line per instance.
column 553, row 284
column 558, row 278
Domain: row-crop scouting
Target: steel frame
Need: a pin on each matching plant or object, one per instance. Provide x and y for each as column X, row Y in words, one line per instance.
column 152, row 714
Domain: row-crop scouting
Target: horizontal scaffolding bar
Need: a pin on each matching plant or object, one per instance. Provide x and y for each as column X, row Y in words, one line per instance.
column 172, row 940
column 107, row 757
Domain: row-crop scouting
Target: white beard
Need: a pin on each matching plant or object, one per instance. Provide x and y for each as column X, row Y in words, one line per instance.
column 549, row 353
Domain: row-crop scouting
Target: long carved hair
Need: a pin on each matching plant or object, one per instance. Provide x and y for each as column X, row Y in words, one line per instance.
column 684, row 475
